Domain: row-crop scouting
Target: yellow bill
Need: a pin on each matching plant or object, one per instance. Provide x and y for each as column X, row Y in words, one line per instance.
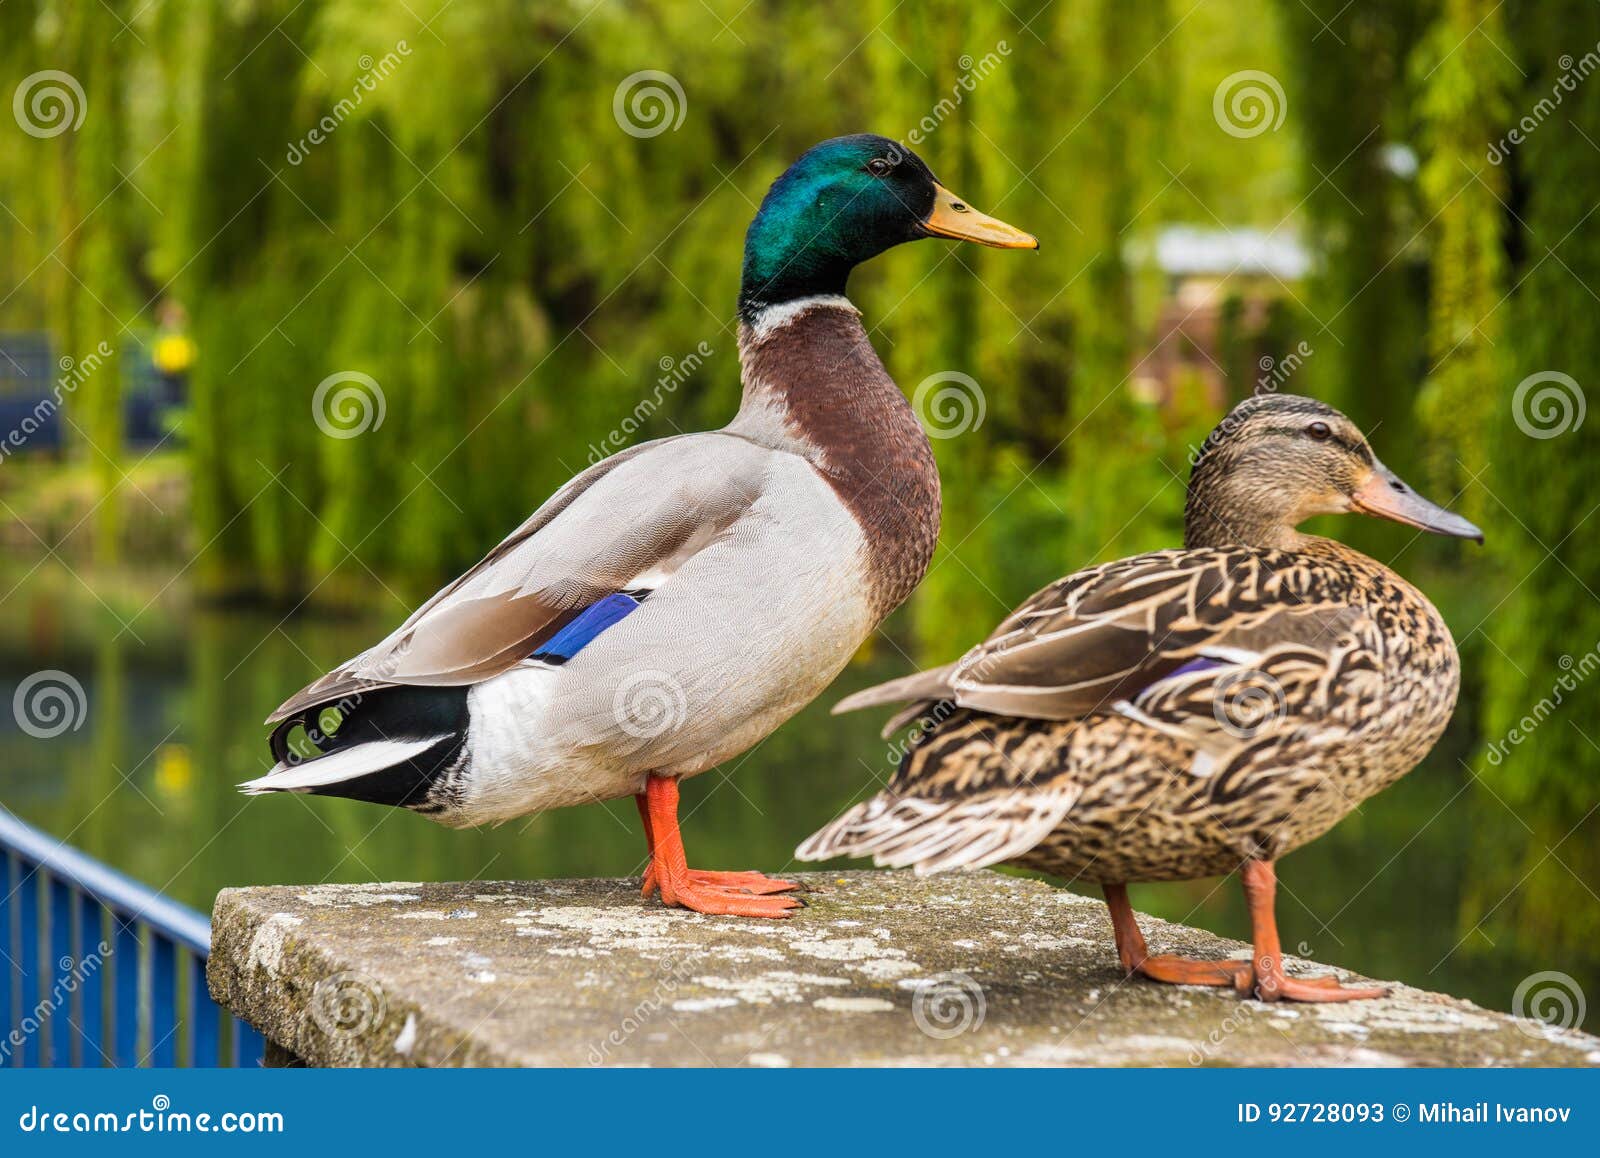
column 953, row 217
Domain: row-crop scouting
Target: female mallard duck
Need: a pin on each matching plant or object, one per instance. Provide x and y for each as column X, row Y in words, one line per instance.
column 1186, row 713
column 673, row 604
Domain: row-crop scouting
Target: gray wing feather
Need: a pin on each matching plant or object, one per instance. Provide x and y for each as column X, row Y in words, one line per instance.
column 630, row 518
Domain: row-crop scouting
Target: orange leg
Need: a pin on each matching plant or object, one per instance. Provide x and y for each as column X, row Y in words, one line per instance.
column 1263, row 974
column 1137, row 958
column 1271, row 982
column 739, row 894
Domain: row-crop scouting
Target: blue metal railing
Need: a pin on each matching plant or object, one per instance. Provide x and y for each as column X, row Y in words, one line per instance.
column 98, row 970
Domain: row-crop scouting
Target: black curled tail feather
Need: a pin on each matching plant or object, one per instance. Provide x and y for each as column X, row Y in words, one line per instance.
column 433, row 719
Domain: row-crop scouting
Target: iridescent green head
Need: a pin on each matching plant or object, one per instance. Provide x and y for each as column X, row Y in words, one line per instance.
column 845, row 201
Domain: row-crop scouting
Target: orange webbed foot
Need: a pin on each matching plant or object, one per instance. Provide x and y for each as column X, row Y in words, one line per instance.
column 733, row 894
column 755, row 883
column 1314, row 989
column 1227, row 972
column 724, row 900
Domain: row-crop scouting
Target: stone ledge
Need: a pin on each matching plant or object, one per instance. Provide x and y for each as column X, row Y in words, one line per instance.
column 879, row 969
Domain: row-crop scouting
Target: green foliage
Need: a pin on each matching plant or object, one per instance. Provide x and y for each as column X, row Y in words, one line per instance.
column 1541, row 491
column 1463, row 78
column 1346, row 83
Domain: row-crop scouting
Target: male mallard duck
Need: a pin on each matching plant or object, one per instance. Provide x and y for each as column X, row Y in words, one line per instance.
column 673, row 604
column 1186, row 713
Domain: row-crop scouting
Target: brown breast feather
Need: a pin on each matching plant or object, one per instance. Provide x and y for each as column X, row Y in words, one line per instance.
column 851, row 420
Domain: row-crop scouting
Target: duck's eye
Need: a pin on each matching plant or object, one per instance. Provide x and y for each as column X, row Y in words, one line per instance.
column 1319, row 431
column 879, row 167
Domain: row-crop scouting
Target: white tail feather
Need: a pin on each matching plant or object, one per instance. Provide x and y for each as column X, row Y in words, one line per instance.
column 337, row 766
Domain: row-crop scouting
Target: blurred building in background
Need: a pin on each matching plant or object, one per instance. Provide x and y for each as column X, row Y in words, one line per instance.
column 1226, row 315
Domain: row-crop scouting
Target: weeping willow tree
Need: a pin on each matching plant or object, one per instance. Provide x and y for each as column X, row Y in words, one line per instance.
column 1539, row 707
column 1463, row 78
column 433, row 267
column 1050, row 339
column 1347, row 84
column 68, row 230
column 437, row 258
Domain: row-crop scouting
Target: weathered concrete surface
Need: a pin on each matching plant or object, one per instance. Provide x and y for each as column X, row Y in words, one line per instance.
column 879, row 969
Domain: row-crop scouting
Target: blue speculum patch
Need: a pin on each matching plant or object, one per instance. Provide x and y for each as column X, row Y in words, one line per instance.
column 587, row 625
column 1194, row 665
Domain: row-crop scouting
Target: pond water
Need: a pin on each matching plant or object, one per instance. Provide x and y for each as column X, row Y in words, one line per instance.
column 176, row 694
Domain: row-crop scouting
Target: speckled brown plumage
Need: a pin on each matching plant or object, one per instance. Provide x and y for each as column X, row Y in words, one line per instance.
column 1183, row 781
column 1173, row 715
